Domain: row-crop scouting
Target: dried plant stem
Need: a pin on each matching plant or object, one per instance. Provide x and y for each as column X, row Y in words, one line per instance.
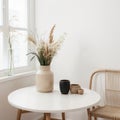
column 51, row 35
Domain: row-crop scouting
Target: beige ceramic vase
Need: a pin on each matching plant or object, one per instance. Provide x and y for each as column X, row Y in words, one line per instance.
column 44, row 79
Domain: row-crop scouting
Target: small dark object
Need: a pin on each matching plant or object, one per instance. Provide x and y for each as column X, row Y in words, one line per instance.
column 64, row 86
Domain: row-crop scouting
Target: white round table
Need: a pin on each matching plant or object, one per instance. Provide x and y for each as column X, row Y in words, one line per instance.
column 30, row 100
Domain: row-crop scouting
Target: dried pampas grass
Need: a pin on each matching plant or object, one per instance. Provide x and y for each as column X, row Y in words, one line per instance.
column 46, row 50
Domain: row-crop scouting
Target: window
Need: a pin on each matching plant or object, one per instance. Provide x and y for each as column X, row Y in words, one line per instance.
column 1, row 11
column 1, row 51
column 18, row 13
column 16, row 20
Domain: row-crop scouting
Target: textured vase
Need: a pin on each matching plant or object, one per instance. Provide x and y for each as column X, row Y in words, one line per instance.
column 64, row 86
column 44, row 79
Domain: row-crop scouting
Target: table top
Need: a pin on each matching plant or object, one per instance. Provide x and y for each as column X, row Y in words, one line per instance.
column 29, row 99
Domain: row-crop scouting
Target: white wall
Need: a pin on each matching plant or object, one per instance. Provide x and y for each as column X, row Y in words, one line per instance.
column 93, row 36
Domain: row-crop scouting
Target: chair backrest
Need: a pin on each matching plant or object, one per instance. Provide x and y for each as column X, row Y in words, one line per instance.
column 107, row 83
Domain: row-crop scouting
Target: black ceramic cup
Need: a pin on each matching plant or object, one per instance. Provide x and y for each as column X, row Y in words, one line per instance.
column 64, row 86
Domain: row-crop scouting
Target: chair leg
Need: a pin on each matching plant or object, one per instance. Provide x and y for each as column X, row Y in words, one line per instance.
column 63, row 116
column 95, row 118
column 89, row 114
column 89, row 117
column 19, row 114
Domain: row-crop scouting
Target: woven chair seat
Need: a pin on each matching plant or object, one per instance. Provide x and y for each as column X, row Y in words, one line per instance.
column 107, row 111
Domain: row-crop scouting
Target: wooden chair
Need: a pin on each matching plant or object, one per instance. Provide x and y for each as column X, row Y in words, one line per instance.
column 20, row 112
column 110, row 93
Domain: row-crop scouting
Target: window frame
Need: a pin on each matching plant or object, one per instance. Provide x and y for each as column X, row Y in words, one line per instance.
column 5, row 29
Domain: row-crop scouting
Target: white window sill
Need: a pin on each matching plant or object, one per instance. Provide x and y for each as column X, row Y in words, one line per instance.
column 17, row 76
